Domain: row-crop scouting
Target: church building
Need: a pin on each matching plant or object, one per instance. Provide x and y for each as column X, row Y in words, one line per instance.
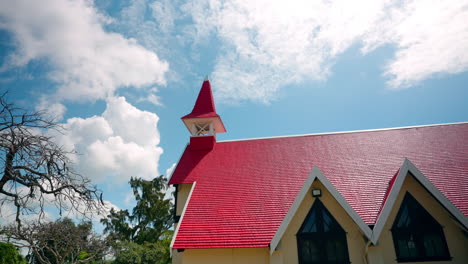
column 397, row 195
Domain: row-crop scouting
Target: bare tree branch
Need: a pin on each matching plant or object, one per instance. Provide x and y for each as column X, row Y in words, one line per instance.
column 36, row 171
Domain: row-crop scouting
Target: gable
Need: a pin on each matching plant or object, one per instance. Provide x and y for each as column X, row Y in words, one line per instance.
column 286, row 247
column 409, row 171
column 454, row 231
column 243, row 183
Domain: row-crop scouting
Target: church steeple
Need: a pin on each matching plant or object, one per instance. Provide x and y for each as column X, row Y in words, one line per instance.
column 203, row 121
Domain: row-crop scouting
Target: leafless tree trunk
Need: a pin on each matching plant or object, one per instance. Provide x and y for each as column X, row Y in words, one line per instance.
column 37, row 172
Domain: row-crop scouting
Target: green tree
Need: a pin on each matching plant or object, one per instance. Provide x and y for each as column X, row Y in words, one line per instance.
column 146, row 253
column 59, row 242
column 9, row 254
column 142, row 236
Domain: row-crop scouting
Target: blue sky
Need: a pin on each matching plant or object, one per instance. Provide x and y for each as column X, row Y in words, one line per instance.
column 120, row 74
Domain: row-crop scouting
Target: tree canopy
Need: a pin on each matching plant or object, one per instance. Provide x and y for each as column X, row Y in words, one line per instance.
column 144, row 235
column 9, row 254
column 58, row 242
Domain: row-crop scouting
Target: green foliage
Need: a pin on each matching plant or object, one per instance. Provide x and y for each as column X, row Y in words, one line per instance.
column 82, row 255
column 142, row 236
column 9, row 254
column 64, row 241
column 146, row 253
column 117, row 225
column 59, row 242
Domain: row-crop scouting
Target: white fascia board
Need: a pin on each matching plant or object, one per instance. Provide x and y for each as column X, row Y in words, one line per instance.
column 408, row 166
column 344, row 132
column 346, row 206
column 177, row 164
column 293, row 209
column 316, row 173
column 182, row 215
column 438, row 195
column 389, row 202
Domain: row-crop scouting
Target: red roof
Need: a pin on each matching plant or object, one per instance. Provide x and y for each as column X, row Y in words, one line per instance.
column 245, row 188
column 204, row 106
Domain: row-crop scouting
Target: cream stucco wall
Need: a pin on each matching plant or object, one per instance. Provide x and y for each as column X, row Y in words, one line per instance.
column 183, row 191
column 457, row 239
column 224, row 256
column 286, row 252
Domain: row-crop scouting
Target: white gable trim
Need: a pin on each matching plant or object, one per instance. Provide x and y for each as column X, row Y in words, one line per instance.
column 182, row 215
column 316, row 174
column 293, row 209
column 408, row 166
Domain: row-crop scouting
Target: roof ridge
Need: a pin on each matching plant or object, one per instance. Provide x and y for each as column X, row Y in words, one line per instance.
column 345, row 132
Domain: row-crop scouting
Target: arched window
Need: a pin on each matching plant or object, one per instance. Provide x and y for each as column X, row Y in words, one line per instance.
column 321, row 239
column 417, row 235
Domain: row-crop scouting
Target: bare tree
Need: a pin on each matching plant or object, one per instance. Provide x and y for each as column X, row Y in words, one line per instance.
column 35, row 171
column 58, row 242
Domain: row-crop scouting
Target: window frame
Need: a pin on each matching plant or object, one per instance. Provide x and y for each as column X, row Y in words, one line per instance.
column 322, row 238
column 422, row 224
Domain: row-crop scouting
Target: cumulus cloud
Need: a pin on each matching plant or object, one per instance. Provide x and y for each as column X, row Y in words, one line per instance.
column 55, row 109
column 431, row 38
column 86, row 61
column 269, row 44
column 121, row 143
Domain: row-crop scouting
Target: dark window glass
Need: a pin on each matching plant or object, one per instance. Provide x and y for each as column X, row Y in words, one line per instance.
column 321, row 239
column 417, row 236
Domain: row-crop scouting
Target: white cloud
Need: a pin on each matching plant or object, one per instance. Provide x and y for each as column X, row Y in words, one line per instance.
column 431, row 37
column 131, row 123
column 121, row 143
column 55, row 110
column 164, row 13
column 91, row 215
column 86, row 62
column 269, row 44
column 160, row 26
column 49, row 204
column 129, row 200
column 154, row 99
column 170, row 170
column 8, row 215
column 170, row 189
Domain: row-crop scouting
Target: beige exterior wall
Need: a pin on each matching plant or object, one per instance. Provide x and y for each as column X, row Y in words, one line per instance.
column 287, row 250
column 224, row 256
column 457, row 239
column 359, row 252
column 183, row 191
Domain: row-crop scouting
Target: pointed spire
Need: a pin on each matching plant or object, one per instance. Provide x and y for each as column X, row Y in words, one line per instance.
column 203, row 120
column 204, row 106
